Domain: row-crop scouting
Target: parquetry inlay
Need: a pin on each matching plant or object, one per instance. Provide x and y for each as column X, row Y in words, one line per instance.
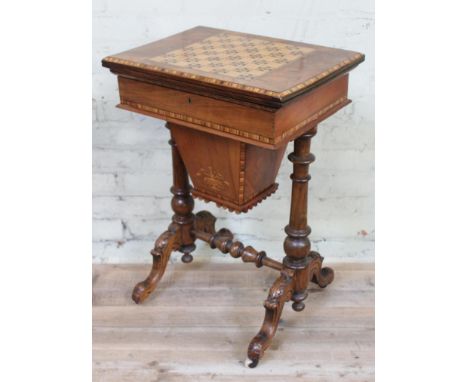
column 234, row 55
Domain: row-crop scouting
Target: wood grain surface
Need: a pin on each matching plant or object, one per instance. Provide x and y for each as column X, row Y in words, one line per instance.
column 259, row 65
column 196, row 324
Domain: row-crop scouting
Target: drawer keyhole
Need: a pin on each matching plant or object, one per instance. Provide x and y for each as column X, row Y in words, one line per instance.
column 189, row 100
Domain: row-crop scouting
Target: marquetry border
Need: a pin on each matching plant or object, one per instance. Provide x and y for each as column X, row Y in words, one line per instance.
column 186, row 118
column 342, row 101
column 313, row 117
column 242, row 165
column 209, row 80
column 231, row 206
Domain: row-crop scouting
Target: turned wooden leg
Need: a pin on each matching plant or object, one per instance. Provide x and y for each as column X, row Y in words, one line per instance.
column 182, row 203
column 163, row 248
column 179, row 235
column 300, row 265
column 297, row 244
column 279, row 293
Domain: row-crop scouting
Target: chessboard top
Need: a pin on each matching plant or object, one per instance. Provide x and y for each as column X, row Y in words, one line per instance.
column 256, row 67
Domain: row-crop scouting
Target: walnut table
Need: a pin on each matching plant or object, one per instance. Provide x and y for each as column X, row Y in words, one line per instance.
column 232, row 102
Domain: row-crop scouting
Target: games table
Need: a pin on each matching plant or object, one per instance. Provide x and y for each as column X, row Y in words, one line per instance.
column 232, row 102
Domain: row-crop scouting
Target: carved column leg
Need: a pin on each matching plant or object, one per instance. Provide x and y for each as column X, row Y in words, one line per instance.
column 179, row 235
column 182, row 203
column 297, row 244
column 279, row 293
column 306, row 264
column 299, row 264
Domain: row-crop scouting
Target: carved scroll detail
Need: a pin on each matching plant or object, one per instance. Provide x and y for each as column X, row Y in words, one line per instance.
column 280, row 292
column 161, row 252
column 205, row 222
column 320, row 276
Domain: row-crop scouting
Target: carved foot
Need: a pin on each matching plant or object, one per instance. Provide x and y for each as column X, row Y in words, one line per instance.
column 280, row 293
column 161, row 252
column 320, row 276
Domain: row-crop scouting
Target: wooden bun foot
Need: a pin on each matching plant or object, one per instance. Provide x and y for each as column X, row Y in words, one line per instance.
column 187, row 258
column 298, row 306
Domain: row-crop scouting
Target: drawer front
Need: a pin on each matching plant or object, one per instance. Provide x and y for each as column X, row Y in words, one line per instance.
column 296, row 117
column 213, row 115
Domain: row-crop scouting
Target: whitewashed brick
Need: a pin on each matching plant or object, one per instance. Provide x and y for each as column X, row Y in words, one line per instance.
column 148, row 183
column 138, row 251
column 120, row 207
column 106, row 184
column 128, row 160
column 145, row 229
column 146, row 133
column 107, row 229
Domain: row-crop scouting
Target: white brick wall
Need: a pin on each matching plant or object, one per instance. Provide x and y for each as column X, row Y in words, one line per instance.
column 131, row 157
